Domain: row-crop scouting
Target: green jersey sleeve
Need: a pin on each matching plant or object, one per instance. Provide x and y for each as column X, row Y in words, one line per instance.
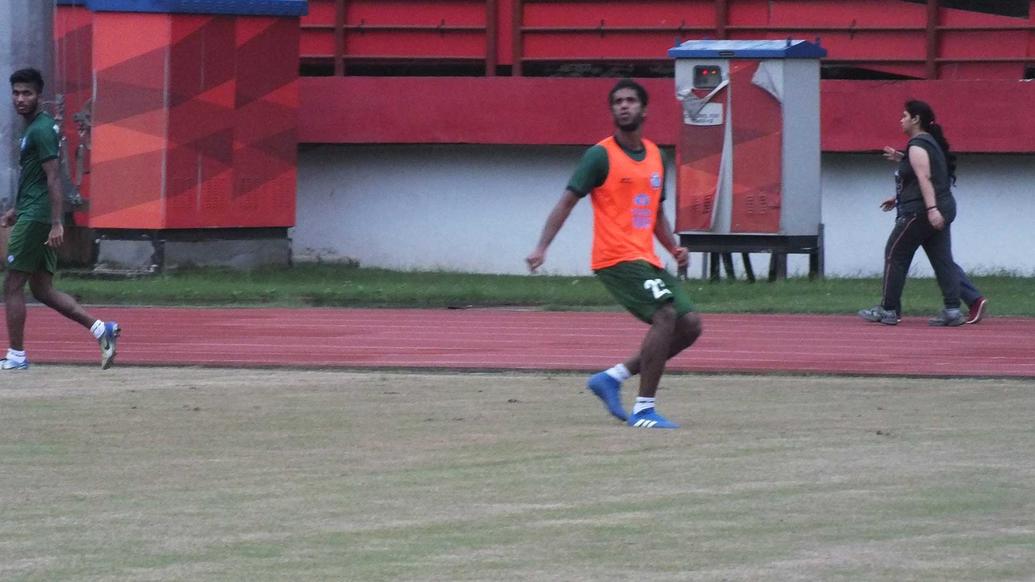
column 593, row 168
column 591, row 171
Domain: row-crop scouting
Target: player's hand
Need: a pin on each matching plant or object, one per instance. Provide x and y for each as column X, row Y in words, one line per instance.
column 682, row 256
column 888, row 205
column 892, row 155
column 7, row 219
column 535, row 260
column 56, row 236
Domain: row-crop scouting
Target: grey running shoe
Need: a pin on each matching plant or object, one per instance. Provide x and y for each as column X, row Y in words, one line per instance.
column 109, row 343
column 947, row 318
column 880, row 315
column 6, row 364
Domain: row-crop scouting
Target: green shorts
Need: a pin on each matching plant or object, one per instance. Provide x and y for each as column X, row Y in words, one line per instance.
column 27, row 250
column 642, row 288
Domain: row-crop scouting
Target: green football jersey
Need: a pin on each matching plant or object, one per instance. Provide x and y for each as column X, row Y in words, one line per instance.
column 39, row 144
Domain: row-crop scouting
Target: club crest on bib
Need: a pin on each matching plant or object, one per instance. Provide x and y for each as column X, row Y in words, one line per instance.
column 642, row 216
column 655, row 181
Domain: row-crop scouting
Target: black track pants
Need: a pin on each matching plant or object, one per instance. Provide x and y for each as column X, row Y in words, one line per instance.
column 910, row 233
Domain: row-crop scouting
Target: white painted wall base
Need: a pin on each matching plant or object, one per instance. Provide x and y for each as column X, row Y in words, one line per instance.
column 480, row 209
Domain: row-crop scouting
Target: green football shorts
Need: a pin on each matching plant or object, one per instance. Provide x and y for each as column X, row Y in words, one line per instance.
column 642, row 288
column 27, row 250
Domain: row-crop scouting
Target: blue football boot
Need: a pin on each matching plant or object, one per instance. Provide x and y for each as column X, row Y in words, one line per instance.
column 608, row 390
column 649, row 418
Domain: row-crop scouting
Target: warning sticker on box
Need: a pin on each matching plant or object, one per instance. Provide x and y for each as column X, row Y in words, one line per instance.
column 710, row 114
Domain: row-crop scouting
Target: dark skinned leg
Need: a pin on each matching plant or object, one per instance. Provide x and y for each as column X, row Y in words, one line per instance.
column 14, row 302
column 687, row 330
column 654, row 350
column 42, row 285
column 668, row 335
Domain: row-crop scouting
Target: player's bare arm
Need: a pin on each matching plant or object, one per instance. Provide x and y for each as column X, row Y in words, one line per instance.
column 666, row 235
column 57, row 231
column 921, row 164
column 553, row 225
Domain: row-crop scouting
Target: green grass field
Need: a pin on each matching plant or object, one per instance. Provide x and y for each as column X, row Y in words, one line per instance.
column 218, row 474
column 343, row 286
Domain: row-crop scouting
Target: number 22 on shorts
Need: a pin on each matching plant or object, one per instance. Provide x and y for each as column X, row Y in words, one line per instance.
column 657, row 287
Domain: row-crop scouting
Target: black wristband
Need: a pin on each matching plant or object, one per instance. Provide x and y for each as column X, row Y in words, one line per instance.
column 932, row 207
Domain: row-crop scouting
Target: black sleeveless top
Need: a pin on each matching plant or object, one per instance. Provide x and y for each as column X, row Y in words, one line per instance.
column 907, row 188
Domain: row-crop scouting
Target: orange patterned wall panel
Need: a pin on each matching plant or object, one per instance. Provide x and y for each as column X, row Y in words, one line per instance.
column 131, row 122
column 195, row 121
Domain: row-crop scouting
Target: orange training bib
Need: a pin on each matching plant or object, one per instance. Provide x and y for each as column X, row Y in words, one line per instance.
column 625, row 207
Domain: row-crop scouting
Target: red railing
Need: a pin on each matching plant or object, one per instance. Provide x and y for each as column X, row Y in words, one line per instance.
column 513, row 36
column 386, row 31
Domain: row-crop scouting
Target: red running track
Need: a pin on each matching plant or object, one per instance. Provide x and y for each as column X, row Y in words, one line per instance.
column 488, row 339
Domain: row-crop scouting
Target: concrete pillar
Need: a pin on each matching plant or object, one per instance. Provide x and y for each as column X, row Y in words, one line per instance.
column 26, row 40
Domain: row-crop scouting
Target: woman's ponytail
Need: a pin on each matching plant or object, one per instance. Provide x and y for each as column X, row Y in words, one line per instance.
column 950, row 158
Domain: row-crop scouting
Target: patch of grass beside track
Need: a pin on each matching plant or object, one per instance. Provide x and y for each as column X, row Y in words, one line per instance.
column 345, row 286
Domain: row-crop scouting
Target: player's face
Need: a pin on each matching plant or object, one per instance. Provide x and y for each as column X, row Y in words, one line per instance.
column 25, row 97
column 627, row 109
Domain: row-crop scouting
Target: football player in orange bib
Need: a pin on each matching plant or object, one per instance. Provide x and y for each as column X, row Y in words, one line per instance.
column 624, row 176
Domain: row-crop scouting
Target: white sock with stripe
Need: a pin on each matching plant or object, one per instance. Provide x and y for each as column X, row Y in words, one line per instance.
column 98, row 329
column 16, row 356
column 642, row 404
column 619, row 372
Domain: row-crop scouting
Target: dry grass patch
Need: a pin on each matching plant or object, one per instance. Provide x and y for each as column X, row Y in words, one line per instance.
column 215, row 474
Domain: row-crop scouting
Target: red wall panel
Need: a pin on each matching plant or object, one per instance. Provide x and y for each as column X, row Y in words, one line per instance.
column 547, row 111
column 321, row 12
column 317, row 44
column 978, row 116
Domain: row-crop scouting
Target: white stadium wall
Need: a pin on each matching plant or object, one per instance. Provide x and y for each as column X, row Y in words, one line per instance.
column 992, row 232
column 480, row 209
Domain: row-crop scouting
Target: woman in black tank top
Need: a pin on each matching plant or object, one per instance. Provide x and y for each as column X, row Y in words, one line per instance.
column 926, row 209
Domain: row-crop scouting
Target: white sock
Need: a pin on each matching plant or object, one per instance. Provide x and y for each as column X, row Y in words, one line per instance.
column 17, row 356
column 97, row 329
column 642, row 404
column 619, row 372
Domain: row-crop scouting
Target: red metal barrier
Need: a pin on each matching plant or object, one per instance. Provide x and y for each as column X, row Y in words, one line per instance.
column 887, row 36
column 340, row 32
